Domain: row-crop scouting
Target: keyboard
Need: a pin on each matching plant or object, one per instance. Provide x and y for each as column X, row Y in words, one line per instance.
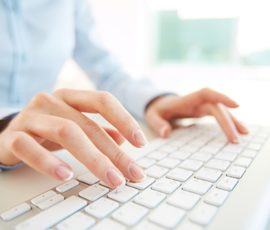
column 189, row 178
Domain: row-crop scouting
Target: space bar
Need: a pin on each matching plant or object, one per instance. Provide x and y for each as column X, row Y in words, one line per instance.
column 53, row 215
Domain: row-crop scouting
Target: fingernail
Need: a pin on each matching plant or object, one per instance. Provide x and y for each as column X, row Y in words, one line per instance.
column 140, row 138
column 114, row 178
column 245, row 129
column 64, row 173
column 136, row 171
column 164, row 131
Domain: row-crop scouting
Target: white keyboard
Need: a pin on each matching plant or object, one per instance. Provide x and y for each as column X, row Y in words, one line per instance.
column 189, row 177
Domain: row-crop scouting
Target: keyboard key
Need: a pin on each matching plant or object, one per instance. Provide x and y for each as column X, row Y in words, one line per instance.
column 249, row 153
column 167, row 216
column 233, row 148
column 227, row 183
column 236, row 172
column 145, row 225
column 243, row 162
column 211, row 149
column 168, row 148
column 203, row 214
column 15, row 212
column 88, row 178
column 179, row 174
column 146, row 162
column 149, row 198
column 43, row 197
column 190, row 148
column 180, row 155
column 156, row 171
column 166, row 185
column 254, row 146
column 226, row 156
column 142, row 184
column 192, row 165
column 102, row 207
column 197, row 186
column 184, row 200
column 178, row 143
column 157, row 155
column 188, row 225
column 123, row 194
column 211, row 175
column 94, row 192
column 129, row 214
column 201, row 156
column 50, row 202
column 108, row 224
column 258, row 140
column 78, row 221
column 168, row 163
column 216, row 197
column 48, row 218
column 218, row 164
column 67, row 186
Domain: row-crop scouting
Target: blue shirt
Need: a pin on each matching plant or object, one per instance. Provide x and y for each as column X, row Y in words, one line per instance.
column 38, row 36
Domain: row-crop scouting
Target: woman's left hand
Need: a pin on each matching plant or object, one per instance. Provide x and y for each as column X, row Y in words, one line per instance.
column 164, row 110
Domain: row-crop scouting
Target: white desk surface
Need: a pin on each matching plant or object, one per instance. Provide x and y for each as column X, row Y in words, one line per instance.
column 252, row 93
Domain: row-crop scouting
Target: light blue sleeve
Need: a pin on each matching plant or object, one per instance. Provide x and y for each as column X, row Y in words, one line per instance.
column 103, row 68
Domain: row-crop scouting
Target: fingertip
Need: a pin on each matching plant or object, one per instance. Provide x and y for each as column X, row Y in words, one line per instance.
column 136, row 172
column 235, row 141
column 64, row 173
column 232, row 104
column 244, row 129
column 139, row 138
column 165, row 131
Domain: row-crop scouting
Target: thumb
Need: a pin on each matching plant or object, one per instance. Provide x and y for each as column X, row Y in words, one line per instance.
column 161, row 126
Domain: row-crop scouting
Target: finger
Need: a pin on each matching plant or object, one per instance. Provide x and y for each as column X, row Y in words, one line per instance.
column 115, row 135
column 51, row 146
column 106, row 105
column 225, row 122
column 239, row 126
column 208, row 95
column 70, row 136
column 101, row 140
column 161, row 126
column 107, row 146
column 24, row 147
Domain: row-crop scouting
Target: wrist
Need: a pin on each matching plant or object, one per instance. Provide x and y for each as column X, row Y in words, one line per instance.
column 156, row 99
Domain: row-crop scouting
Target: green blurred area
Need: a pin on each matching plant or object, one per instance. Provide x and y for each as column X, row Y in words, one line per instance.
column 200, row 41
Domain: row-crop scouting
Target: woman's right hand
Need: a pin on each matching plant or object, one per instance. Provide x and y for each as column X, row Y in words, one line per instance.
column 49, row 121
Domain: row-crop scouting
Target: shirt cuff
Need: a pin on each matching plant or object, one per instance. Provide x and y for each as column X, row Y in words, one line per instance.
column 13, row 167
column 141, row 97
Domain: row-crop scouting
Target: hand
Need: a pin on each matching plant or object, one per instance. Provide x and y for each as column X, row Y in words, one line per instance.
column 162, row 111
column 52, row 121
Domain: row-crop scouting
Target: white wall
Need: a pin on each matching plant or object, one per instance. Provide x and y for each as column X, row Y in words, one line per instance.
column 119, row 24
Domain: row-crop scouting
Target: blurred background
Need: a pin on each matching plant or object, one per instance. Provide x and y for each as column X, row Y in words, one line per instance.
column 185, row 45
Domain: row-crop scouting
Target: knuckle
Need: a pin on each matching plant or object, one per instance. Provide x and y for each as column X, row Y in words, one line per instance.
column 97, row 159
column 65, row 129
column 41, row 99
column 118, row 157
column 16, row 141
column 60, row 92
column 105, row 98
column 94, row 129
column 206, row 91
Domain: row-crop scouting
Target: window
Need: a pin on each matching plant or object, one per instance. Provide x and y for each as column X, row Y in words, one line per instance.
column 211, row 31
